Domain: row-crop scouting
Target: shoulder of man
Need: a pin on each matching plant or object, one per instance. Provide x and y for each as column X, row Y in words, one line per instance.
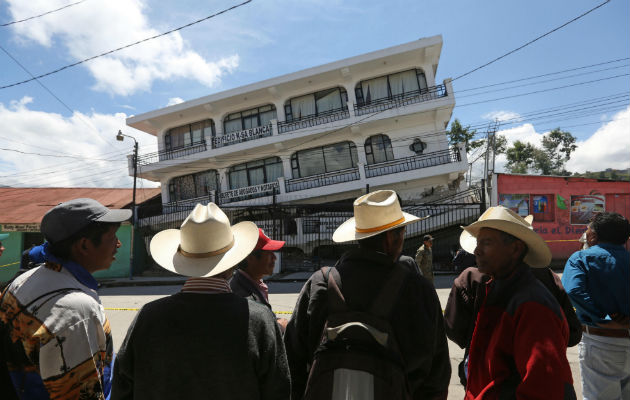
column 531, row 290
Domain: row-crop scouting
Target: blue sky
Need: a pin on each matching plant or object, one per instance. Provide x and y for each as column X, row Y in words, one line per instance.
column 267, row 38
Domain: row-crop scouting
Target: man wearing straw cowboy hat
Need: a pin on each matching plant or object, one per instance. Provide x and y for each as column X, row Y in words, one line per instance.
column 205, row 341
column 518, row 347
column 415, row 317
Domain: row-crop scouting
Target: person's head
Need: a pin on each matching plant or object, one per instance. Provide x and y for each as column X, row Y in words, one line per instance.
column 2, row 237
column 389, row 242
column 206, row 244
column 262, row 260
column 427, row 240
column 84, row 231
column 377, row 214
column 608, row 227
column 498, row 253
column 501, row 240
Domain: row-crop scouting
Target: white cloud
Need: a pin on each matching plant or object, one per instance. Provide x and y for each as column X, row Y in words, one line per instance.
column 102, row 162
column 101, row 26
column 174, row 100
column 608, row 147
column 502, row 116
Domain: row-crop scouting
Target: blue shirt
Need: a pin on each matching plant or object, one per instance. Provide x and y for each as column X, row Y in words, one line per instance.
column 597, row 281
column 80, row 273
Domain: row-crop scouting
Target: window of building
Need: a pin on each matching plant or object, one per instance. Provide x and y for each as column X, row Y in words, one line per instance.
column 543, row 208
column 318, row 103
column 319, row 160
column 255, row 172
column 386, row 87
column 193, row 185
column 247, row 119
column 188, row 135
column 378, row 149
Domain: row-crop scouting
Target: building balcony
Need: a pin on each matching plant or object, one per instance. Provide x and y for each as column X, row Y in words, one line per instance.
column 164, row 155
column 401, row 100
column 413, row 162
column 319, row 180
column 313, row 120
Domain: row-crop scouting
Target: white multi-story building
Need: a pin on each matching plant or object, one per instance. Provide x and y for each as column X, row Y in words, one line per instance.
column 319, row 135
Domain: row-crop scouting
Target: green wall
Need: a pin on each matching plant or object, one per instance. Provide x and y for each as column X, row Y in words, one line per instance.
column 10, row 260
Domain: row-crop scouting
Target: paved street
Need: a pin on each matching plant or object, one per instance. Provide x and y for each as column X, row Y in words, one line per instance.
column 120, row 303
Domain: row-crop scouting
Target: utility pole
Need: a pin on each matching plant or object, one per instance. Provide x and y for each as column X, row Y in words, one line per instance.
column 134, row 212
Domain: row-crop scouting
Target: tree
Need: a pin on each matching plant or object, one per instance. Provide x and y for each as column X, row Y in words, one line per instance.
column 460, row 134
column 556, row 150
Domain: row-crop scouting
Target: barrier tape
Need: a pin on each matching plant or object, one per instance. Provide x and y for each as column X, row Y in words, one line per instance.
column 137, row 309
column 563, row 240
column 6, row 265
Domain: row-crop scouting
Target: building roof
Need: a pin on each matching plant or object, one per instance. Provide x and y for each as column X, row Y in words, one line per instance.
column 28, row 205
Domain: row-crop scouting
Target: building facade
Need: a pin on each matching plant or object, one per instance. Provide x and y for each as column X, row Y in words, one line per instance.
column 320, row 135
column 562, row 206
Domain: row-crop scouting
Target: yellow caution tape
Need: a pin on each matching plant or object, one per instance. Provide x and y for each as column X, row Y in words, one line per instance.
column 563, row 240
column 121, row 309
column 6, row 265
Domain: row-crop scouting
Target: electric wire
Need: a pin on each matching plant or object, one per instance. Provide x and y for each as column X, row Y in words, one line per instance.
column 41, row 15
column 531, row 41
column 126, row 46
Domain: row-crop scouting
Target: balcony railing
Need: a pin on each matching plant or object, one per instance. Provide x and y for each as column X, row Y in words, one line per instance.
column 249, row 192
column 329, row 178
column 313, row 120
column 400, row 100
column 414, row 162
column 163, row 155
column 241, row 136
column 186, row 205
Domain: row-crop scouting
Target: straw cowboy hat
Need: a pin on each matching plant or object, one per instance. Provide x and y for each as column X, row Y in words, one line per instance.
column 503, row 219
column 374, row 213
column 206, row 245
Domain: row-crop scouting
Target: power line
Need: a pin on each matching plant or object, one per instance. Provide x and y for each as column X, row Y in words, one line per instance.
column 50, row 92
column 126, row 46
column 543, row 75
column 530, row 42
column 58, row 155
column 41, row 15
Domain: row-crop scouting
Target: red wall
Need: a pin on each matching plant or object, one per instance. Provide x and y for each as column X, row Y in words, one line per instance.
column 560, row 234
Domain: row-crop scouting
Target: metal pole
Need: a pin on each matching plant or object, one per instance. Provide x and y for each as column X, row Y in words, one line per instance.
column 134, row 211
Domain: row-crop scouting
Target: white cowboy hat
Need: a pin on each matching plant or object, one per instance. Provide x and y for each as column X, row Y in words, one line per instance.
column 374, row 213
column 503, row 219
column 206, row 244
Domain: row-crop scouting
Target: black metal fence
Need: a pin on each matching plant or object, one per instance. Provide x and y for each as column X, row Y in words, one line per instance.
column 313, row 120
column 325, row 179
column 308, row 229
column 150, row 158
column 413, row 162
column 400, row 100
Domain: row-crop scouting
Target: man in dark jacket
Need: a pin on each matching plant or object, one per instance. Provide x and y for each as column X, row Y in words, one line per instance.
column 247, row 280
column 416, row 318
column 205, row 341
column 518, row 347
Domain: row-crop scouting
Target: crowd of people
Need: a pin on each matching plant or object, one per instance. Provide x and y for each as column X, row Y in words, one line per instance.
column 370, row 327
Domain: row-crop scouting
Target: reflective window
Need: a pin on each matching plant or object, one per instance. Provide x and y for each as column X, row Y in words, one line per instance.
column 319, row 160
column 193, row 185
column 318, row 103
column 247, row 119
column 255, row 172
column 188, row 135
column 378, row 149
column 403, row 84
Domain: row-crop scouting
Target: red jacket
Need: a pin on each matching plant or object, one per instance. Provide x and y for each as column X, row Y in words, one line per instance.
column 518, row 348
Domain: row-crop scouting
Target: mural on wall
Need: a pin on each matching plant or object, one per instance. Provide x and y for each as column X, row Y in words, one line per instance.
column 584, row 206
column 519, row 203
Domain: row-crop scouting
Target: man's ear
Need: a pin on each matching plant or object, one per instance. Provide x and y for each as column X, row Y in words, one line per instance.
column 82, row 246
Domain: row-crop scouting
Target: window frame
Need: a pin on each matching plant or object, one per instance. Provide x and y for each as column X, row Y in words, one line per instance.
column 358, row 89
column 174, row 190
column 240, row 116
column 343, row 97
column 369, row 149
column 295, row 162
column 168, row 137
column 247, row 167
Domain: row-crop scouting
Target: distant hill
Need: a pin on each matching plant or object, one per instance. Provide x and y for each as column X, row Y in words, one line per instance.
column 608, row 173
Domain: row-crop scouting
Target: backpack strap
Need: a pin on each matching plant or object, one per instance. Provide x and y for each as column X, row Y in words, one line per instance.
column 336, row 301
column 385, row 300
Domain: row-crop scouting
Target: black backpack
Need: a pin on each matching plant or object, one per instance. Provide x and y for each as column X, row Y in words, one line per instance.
column 358, row 357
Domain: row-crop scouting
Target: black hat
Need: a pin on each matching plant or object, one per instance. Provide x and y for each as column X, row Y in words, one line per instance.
column 68, row 218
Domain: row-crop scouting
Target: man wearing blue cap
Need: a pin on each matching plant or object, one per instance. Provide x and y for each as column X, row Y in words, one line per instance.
column 56, row 338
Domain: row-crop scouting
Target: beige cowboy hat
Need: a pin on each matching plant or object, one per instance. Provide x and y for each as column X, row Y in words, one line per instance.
column 205, row 245
column 503, row 219
column 374, row 213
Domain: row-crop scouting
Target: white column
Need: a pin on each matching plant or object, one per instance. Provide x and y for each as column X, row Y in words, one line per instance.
column 223, row 179
column 286, row 167
column 361, row 152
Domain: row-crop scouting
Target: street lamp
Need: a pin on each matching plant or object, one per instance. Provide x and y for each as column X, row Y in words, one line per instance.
column 134, row 217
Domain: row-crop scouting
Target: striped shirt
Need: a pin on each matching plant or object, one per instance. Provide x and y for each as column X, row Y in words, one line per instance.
column 210, row 285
